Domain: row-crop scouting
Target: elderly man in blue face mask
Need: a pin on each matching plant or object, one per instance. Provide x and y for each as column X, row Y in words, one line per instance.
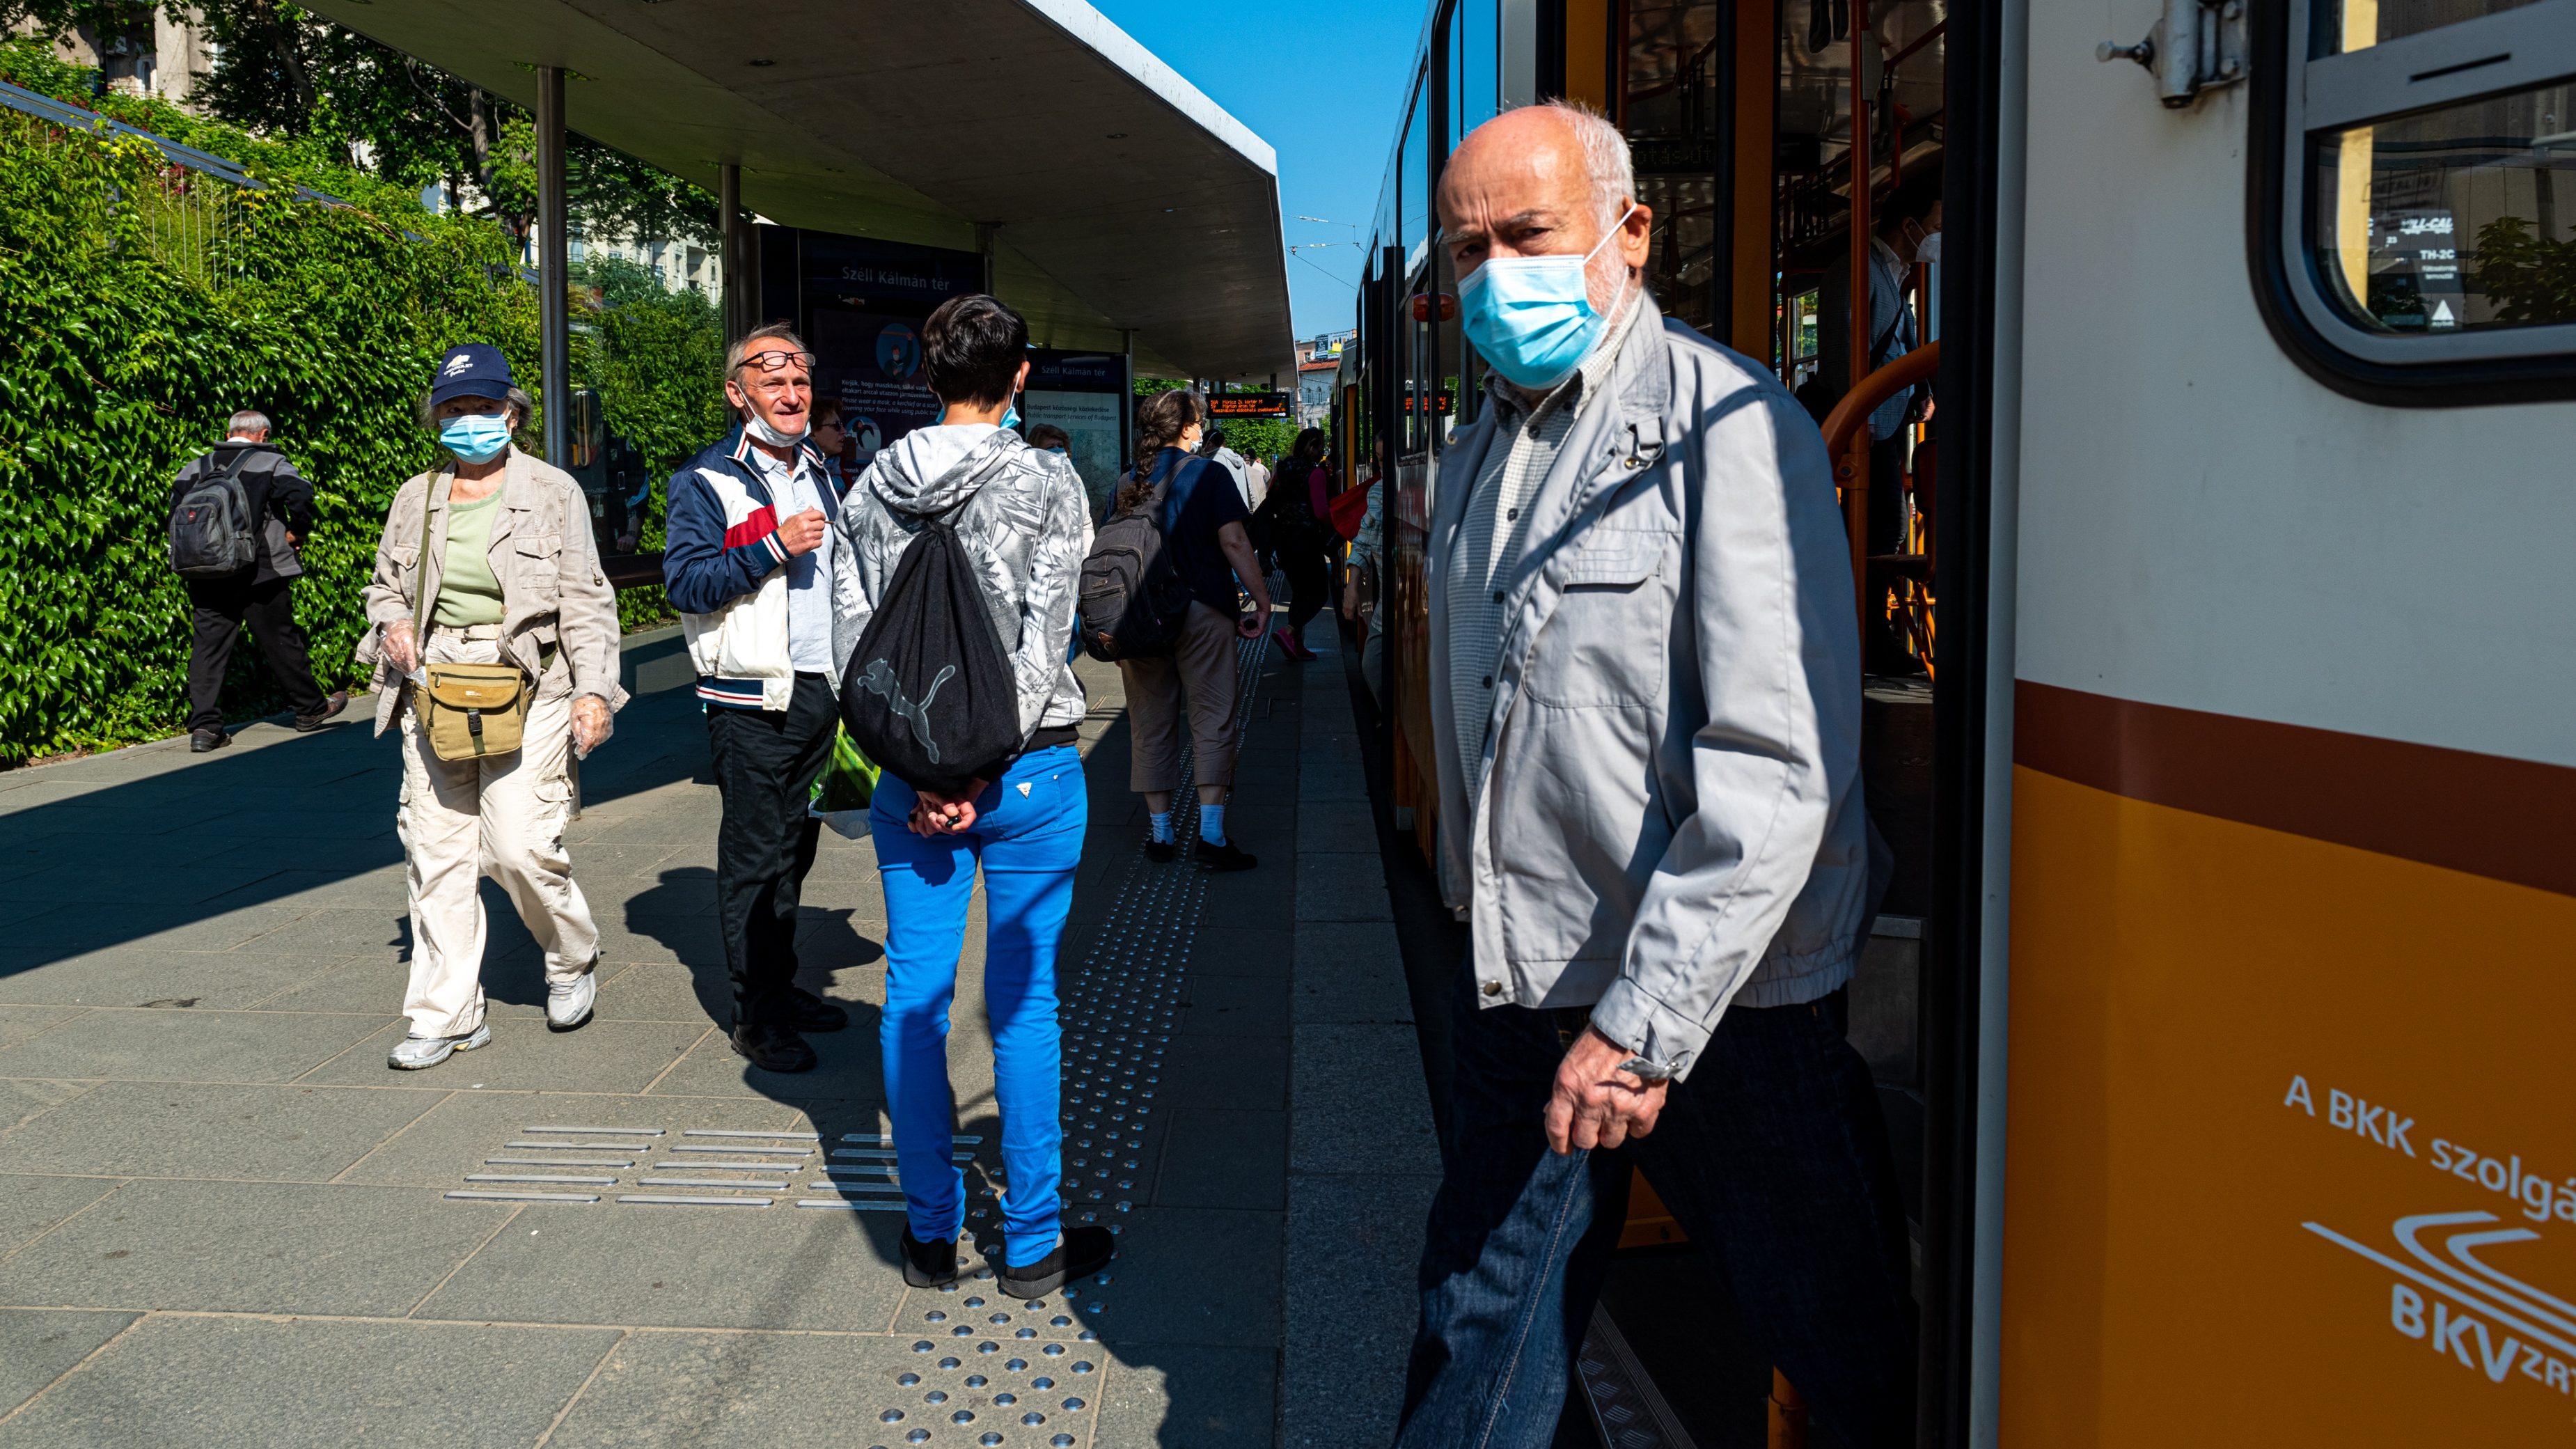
column 1645, row 698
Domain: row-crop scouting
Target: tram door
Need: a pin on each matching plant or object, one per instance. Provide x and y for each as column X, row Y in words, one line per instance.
column 2281, row 572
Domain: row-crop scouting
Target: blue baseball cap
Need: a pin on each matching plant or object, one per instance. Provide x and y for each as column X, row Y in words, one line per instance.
column 473, row 369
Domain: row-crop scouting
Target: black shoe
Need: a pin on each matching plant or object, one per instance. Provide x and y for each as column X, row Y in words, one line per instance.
column 1085, row 1251
column 773, row 1048
column 929, row 1265
column 204, row 741
column 308, row 723
column 1228, row 856
column 808, row 1012
column 1160, row 851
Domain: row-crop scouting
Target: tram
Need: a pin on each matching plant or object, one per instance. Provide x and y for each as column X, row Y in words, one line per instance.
column 2223, row 694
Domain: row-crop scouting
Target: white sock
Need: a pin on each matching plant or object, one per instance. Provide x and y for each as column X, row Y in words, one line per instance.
column 1163, row 827
column 1212, row 824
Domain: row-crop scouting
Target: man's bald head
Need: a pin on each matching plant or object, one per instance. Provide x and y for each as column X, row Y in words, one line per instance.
column 1546, row 181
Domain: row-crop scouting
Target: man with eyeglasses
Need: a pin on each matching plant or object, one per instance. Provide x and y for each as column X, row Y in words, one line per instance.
column 750, row 563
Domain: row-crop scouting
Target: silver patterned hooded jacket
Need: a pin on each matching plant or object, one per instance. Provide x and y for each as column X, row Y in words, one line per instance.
column 1020, row 514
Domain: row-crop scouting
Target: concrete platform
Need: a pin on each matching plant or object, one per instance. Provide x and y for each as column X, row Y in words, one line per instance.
column 224, row 1221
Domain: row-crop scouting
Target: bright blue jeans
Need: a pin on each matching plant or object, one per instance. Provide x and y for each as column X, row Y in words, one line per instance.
column 1028, row 837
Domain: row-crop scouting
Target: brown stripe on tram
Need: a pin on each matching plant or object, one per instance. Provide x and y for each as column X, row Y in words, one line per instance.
column 2483, row 814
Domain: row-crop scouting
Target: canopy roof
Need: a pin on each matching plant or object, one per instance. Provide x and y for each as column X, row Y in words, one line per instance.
column 1122, row 197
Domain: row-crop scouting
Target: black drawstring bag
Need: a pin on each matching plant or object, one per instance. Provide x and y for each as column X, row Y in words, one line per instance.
column 929, row 694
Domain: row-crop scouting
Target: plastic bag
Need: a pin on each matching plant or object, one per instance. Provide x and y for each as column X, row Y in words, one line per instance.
column 841, row 796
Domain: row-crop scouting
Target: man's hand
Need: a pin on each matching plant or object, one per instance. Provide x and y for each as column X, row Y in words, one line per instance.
column 1595, row 1104
column 591, row 725
column 803, row 533
column 1256, row 623
column 1351, row 598
column 401, row 648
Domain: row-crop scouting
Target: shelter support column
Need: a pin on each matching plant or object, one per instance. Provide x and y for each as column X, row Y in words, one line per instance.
column 733, row 251
column 553, row 272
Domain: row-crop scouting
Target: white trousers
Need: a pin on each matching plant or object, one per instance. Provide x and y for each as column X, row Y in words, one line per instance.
column 463, row 819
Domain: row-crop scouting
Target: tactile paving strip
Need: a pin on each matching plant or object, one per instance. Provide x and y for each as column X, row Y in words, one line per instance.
column 724, row 1167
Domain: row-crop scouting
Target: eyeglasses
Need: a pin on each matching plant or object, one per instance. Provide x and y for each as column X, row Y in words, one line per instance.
column 774, row 361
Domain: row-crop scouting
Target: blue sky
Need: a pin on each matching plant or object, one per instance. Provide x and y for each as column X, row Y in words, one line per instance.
column 1320, row 80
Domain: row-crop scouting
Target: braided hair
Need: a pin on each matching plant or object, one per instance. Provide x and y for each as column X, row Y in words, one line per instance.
column 1160, row 421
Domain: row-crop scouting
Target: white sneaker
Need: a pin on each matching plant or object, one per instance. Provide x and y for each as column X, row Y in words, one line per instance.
column 568, row 1003
column 413, row 1053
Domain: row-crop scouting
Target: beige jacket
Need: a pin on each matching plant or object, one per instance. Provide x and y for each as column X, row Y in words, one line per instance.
column 558, row 614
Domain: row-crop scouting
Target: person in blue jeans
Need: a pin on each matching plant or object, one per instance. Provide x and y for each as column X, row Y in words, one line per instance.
column 1020, row 514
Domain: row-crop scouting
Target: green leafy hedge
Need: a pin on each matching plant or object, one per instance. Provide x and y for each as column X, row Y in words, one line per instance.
column 143, row 305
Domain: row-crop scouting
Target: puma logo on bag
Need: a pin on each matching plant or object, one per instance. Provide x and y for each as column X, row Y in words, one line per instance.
column 879, row 680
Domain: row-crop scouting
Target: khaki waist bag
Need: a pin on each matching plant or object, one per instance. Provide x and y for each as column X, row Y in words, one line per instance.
column 469, row 711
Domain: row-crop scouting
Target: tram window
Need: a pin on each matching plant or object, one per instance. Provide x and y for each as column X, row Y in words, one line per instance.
column 1475, row 76
column 2416, row 210
column 1670, row 102
column 2360, row 24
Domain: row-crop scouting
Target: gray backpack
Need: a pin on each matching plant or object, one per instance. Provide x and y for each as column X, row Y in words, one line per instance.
column 211, row 533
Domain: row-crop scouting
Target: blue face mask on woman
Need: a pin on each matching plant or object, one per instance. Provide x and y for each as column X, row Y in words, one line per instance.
column 475, row 437
column 1532, row 317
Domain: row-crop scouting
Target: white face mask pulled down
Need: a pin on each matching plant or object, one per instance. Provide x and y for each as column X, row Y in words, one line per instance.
column 761, row 432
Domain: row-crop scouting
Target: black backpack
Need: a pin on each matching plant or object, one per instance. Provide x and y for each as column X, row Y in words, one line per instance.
column 1133, row 600
column 929, row 695
column 210, row 526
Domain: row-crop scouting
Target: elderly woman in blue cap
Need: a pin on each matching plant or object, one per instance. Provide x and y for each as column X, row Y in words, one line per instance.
column 487, row 559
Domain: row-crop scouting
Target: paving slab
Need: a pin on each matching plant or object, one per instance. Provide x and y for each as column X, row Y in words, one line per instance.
column 1216, row 1158
column 707, row 1267
column 1202, row 1397
column 459, row 1129
column 246, row 1247
column 17, row 1023
column 140, row 976
column 1350, row 971
column 31, row 1207
column 605, row 1056
column 193, row 1130
column 1339, row 887
column 24, row 1100
column 187, row 1046
column 1353, row 1241
column 226, row 1382
column 38, row 1346
column 1360, row 1104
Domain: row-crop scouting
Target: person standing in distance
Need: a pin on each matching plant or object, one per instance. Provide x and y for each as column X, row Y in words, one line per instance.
column 750, row 562
column 281, row 512
column 1019, row 513
column 1645, row 705
column 1204, row 531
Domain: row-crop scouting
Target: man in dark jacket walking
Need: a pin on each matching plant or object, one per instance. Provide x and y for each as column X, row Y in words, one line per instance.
column 281, row 509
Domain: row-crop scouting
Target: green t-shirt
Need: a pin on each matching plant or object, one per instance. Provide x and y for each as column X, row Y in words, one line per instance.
column 468, row 593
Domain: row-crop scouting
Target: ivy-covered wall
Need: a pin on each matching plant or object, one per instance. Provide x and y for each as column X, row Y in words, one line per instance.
column 143, row 304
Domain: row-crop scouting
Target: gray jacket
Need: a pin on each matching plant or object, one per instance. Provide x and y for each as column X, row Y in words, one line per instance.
column 1021, row 515
column 1667, row 813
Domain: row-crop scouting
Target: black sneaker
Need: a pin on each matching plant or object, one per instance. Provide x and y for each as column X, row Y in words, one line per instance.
column 1084, row 1251
column 1228, row 856
column 1160, row 851
column 808, row 1012
column 929, row 1265
column 205, row 741
column 773, row 1048
column 331, row 707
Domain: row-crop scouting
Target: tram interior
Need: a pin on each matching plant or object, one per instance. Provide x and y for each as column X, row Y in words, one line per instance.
column 1741, row 118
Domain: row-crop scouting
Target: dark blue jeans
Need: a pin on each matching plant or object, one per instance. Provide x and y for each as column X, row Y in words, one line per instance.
column 1772, row 1155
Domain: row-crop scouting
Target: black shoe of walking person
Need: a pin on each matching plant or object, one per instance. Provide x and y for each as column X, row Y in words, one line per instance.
column 331, row 707
column 1228, row 856
column 1084, row 1251
column 929, row 1265
column 1160, row 852
column 773, row 1048
column 808, row 1012
column 206, row 741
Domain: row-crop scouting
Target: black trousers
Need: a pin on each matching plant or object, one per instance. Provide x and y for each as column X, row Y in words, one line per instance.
column 221, row 608
column 1310, row 585
column 766, row 765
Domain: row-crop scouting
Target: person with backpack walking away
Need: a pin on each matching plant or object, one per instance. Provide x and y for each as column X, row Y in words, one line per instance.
column 236, row 515
column 1298, row 515
column 965, row 545
column 1204, row 528
column 493, row 636
column 751, row 563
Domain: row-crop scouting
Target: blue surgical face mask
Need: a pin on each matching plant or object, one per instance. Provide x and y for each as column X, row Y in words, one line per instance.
column 1011, row 414
column 475, row 437
column 1532, row 317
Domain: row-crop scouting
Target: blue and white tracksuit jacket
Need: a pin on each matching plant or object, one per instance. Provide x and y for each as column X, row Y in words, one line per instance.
column 723, row 569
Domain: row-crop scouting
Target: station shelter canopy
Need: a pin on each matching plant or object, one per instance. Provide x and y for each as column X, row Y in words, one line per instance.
column 1119, row 199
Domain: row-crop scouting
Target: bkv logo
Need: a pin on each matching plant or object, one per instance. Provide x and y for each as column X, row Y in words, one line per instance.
column 2468, row 1310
